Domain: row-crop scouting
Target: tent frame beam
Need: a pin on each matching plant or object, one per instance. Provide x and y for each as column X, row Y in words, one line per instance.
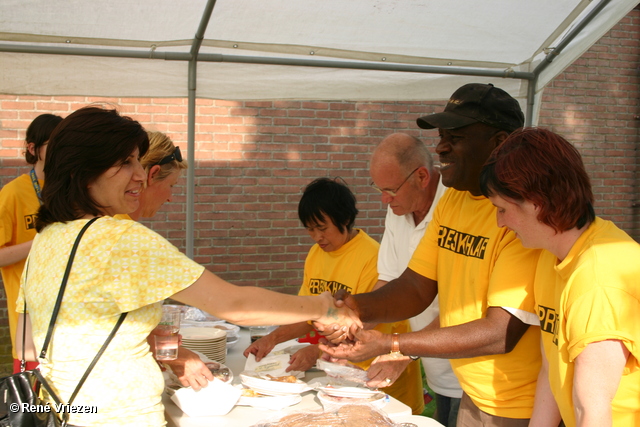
column 553, row 53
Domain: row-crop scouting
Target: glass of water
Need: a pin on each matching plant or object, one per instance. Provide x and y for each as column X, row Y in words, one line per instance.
column 166, row 347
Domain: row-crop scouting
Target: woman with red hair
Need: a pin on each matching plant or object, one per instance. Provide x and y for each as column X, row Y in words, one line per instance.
column 587, row 285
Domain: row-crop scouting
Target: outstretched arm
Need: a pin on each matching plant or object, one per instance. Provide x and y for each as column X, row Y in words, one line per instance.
column 249, row 305
column 399, row 299
column 497, row 333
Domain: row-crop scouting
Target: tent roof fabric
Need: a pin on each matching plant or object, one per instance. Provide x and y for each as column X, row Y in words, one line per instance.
column 466, row 37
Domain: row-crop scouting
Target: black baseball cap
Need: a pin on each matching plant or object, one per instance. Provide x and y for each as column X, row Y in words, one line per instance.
column 477, row 102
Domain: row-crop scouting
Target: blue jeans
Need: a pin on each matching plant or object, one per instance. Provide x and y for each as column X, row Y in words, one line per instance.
column 446, row 410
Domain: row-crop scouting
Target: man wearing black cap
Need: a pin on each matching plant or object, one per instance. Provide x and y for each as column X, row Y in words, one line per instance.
column 481, row 273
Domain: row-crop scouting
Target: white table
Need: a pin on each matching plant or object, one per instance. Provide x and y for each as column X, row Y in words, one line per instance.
column 244, row 416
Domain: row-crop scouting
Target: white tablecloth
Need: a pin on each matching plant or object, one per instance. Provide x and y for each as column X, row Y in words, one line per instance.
column 244, row 416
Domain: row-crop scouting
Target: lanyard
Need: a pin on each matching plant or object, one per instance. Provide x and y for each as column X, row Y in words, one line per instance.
column 36, row 184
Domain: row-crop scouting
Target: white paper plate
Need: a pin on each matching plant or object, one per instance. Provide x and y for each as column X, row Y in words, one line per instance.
column 274, row 388
column 275, row 403
column 195, row 333
column 356, row 392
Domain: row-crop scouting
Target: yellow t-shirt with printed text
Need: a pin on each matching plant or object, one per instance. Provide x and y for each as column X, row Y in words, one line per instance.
column 354, row 267
column 479, row 265
column 120, row 266
column 18, row 208
column 592, row 295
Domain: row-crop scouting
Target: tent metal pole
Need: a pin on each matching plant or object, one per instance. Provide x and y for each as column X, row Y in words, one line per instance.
column 300, row 62
column 191, row 124
column 531, row 91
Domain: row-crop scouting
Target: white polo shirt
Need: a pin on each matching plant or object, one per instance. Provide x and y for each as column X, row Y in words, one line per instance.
column 401, row 238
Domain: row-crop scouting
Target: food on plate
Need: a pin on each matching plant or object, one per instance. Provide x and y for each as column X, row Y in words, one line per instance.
column 247, row 392
column 349, row 415
column 283, row 379
column 325, row 419
column 364, row 415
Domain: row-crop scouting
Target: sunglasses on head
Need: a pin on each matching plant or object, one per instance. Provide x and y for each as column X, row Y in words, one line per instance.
column 176, row 155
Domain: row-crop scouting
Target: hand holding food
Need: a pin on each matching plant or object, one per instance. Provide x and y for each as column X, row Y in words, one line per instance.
column 368, row 344
column 345, row 318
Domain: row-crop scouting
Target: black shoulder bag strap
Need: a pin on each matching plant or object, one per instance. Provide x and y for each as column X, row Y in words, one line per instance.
column 54, row 315
column 63, row 285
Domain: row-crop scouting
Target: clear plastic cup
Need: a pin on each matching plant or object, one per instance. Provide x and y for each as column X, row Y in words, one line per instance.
column 170, row 322
column 166, row 347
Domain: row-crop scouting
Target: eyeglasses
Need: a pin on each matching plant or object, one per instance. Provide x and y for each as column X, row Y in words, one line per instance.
column 394, row 193
column 176, row 155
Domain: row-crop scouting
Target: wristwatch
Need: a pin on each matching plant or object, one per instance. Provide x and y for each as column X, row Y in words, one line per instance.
column 395, row 347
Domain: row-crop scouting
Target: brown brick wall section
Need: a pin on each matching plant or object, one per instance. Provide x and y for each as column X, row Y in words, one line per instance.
column 254, row 158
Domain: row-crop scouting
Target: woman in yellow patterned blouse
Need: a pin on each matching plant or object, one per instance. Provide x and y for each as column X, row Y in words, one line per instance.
column 93, row 170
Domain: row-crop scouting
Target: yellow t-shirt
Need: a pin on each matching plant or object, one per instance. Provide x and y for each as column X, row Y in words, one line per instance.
column 353, row 267
column 18, row 208
column 120, row 266
column 479, row 265
column 592, row 295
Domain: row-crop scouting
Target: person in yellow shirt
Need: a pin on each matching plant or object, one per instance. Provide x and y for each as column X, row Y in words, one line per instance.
column 19, row 202
column 482, row 275
column 343, row 257
column 93, row 173
column 587, row 283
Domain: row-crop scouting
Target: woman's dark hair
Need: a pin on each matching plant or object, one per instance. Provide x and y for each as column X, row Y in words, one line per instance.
column 542, row 167
column 38, row 133
column 325, row 196
column 84, row 145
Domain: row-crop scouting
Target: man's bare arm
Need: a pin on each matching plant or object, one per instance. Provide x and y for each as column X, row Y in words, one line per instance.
column 401, row 298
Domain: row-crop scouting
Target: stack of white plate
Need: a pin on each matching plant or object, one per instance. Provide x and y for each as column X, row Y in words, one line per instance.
column 233, row 331
column 212, row 342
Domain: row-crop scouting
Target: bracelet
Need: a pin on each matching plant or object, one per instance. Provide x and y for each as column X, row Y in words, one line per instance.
column 395, row 347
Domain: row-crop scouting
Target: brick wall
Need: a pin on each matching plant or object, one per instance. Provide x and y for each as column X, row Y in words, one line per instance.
column 254, row 158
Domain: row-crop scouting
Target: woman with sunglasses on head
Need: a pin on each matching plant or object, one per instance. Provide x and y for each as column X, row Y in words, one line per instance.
column 587, row 284
column 19, row 202
column 343, row 257
column 93, row 173
column 163, row 165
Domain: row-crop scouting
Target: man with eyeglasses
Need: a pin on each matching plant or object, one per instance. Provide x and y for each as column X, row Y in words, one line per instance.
column 402, row 171
column 480, row 272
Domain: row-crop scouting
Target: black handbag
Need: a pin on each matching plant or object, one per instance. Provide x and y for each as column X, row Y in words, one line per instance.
column 21, row 404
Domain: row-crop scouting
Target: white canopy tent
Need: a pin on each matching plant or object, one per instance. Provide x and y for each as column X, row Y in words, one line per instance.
column 303, row 49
